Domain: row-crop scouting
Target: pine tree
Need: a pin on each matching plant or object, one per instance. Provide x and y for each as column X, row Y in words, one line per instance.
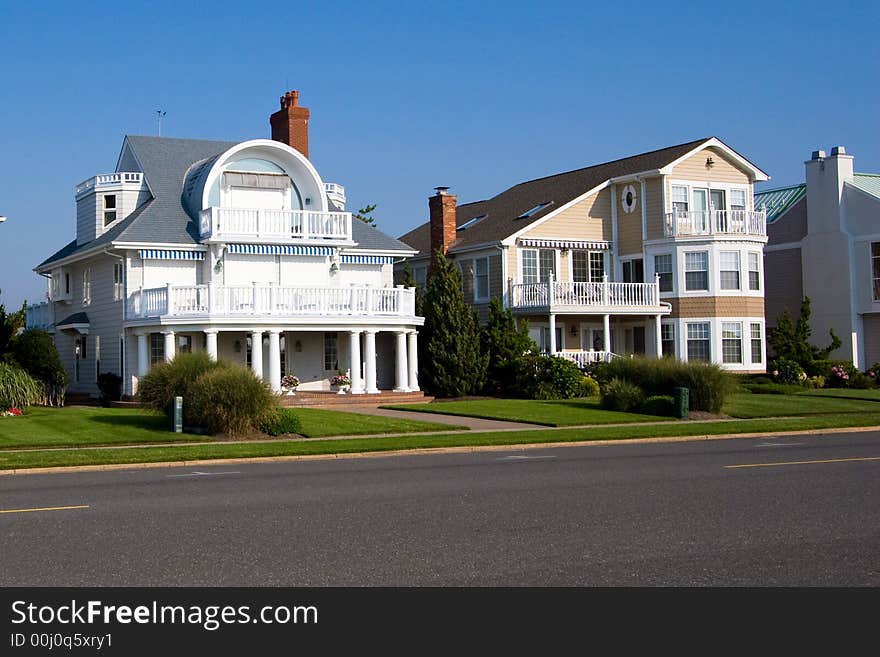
column 505, row 344
column 792, row 340
column 407, row 279
column 451, row 361
column 10, row 326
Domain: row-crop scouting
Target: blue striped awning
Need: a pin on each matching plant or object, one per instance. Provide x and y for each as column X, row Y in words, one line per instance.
column 280, row 249
column 367, row 260
column 170, row 254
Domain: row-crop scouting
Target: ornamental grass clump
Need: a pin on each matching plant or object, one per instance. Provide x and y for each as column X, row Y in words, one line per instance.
column 177, row 378
column 230, row 400
column 18, row 388
column 620, row 395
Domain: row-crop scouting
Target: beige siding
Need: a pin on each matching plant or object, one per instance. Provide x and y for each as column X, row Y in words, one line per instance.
column 629, row 224
column 783, row 283
column 717, row 307
column 654, row 205
column 588, row 220
column 723, row 170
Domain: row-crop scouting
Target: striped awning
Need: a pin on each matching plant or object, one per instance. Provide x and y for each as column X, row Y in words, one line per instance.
column 367, row 260
column 280, row 249
column 170, row 254
column 595, row 245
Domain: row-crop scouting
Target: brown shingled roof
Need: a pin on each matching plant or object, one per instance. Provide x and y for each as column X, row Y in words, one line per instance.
column 502, row 210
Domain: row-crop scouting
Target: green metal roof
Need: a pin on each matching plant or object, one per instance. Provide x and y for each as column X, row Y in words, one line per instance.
column 867, row 182
column 778, row 201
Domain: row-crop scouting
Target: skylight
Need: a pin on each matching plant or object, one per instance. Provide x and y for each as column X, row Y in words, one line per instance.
column 537, row 208
column 470, row 222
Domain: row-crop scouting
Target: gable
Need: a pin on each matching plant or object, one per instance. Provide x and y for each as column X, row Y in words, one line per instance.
column 724, row 169
column 588, row 219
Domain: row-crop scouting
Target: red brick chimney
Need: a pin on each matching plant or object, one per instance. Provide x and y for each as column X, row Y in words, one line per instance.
column 442, row 210
column 290, row 124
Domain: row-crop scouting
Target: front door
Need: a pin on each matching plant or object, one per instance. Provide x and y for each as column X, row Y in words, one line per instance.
column 701, row 207
column 716, row 197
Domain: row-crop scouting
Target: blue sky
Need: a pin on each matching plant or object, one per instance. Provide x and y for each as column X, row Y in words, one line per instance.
column 408, row 96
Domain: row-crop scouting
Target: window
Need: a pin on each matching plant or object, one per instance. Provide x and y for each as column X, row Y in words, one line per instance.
column 109, row 208
column 587, row 266
column 87, row 286
column 67, row 284
column 737, row 199
column 184, row 344
column 696, row 270
column 729, row 270
column 471, row 222
column 667, row 340
column 757, row 343
column 731, row 342
column 481, row 279
column 331, row 355
column 698, row 341
column 754, row 271
column 97, row 356
column 597, row 266
column 157, row 348
column 663, row 267
column 118, row 287
column 420, row 275
column 545, row 339
column 679, row 199
column 530, row 212
column 633, row 271
column 875, row 268
column 537, row 264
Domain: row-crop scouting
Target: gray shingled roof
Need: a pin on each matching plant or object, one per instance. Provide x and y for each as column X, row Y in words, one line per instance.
column 75, row 318
column 502, row 210
column 170, row 165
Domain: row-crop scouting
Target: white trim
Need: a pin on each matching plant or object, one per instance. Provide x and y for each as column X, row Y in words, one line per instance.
column 644, row 210
column 510, row 240
column 757, row 174
column 614, row 237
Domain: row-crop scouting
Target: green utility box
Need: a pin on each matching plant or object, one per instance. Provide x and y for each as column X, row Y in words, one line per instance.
column 682, row 398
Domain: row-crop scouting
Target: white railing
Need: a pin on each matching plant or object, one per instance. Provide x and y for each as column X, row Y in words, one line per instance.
column 270, row 300
column 261, row 223
column 584, row 358
column 715, row 222
column 37, row 316
column 108, row 179
column 605, row 294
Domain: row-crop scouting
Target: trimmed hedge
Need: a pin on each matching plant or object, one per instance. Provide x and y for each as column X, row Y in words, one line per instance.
column 709, row 385
column 539, row 376
column 662, row 405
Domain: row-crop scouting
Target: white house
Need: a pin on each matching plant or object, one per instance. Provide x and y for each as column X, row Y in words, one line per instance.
column 238, row 249
column 825, row 244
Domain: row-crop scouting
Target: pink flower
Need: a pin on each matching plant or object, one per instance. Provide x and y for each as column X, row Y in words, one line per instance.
column 775, row 372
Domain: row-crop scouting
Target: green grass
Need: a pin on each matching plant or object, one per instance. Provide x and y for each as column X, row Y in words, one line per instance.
column 747, row 405
column 845, row 393
column 317, row 422
column 37, row 459
column 555, row 413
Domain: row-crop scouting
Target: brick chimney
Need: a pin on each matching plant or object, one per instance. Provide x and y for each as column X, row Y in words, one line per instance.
column 442, row 210
column 290, row 124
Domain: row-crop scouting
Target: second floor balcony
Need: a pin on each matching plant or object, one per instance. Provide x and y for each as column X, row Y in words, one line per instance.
column 688, row 223
column 589, row 298
column 264, row 225
column 262, row 301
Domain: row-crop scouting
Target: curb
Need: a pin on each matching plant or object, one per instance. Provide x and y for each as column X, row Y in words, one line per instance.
column 463, row 449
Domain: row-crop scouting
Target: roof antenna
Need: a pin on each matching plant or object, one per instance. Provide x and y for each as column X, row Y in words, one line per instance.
column 159, row 115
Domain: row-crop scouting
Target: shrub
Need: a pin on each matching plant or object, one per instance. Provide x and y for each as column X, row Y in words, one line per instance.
column 110, row 386
column 815, row 382
column 709, row 385
column 506, row 344
column 18, row 388
column 281, row 421
column 230, row 399
column 861, row 381
column 166, row 381
column 662, row 405
column 621, row 395
column 589, row 387
column 840, row 375
column 788, row 371
column 34, row 350
column 539, row 376
column 772, row 388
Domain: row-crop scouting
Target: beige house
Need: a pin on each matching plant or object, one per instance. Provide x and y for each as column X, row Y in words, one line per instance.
column 659, row 253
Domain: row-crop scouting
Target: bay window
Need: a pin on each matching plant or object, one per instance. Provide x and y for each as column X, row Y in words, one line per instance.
column 698, row 347
column 696, row 270
column 729, row 270
column 663, row 267
column 731, row 342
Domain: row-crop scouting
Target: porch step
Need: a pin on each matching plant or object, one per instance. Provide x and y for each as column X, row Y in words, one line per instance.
column 309, row 398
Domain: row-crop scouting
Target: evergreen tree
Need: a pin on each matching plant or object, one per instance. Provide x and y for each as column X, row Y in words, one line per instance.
column 505, row 344
column 791, row 340
column 451, row 361
column 10, row 326
column 407, row 279
column 365, row 214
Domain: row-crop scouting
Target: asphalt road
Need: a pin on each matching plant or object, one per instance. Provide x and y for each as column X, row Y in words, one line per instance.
column 659, row 514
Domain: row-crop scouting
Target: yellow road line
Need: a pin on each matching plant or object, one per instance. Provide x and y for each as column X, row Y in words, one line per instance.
column 46, row 508
column 768, row 465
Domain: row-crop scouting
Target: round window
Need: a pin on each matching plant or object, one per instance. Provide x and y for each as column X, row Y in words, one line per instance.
column 628, row 198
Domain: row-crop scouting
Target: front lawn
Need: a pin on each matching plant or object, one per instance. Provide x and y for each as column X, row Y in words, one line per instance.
column 845, row 393
column 748, row 405
column 318, row 422
column 551, row 413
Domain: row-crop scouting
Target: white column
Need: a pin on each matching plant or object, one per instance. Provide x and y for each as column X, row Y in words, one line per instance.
column 257, row 353
column 143, row 364
column 354, row 350
column 275, row 359
column 211, row 344
column 400, row 374
column 370, row 362
column 552, row 333
column 659, row 336
column 169, row 346
column 606, row 330
column 413, row 360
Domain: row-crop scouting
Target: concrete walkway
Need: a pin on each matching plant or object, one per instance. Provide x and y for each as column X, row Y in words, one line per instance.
column 473, row 423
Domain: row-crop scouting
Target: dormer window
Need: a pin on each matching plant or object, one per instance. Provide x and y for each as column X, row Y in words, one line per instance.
column 109, row 208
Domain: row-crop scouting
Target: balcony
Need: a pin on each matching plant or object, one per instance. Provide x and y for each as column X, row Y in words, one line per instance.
column 278, row 226
column 267, row 302
column 117, row 180
column 691, row 223
column 38, row 316
column 590, row 298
